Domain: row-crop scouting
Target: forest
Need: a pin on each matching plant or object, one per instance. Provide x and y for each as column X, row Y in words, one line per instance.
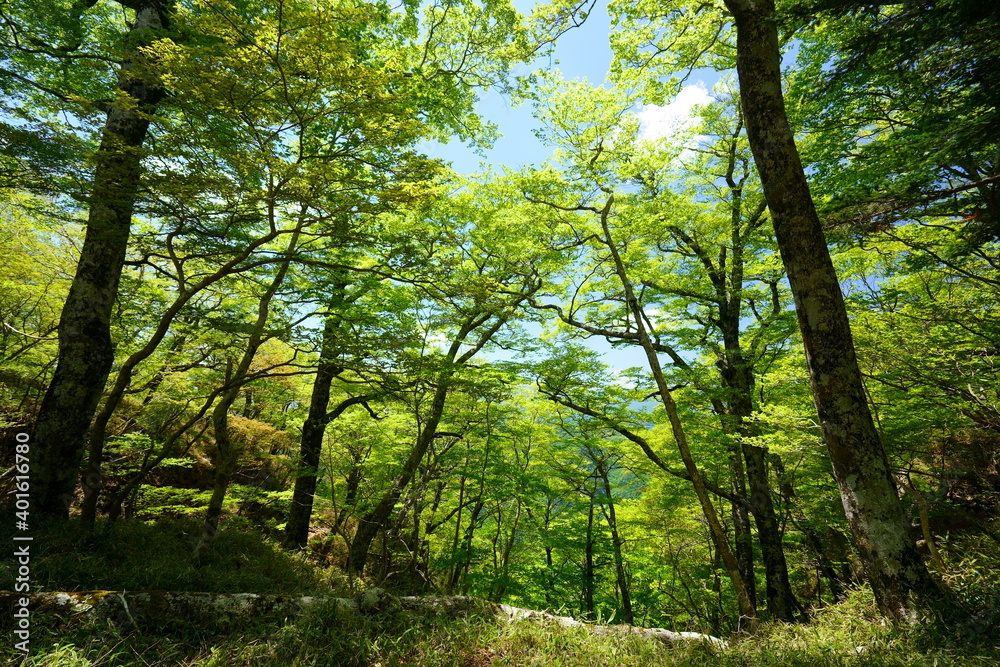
column 722, row 388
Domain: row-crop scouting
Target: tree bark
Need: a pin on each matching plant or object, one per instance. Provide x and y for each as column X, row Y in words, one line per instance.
column 313, row 430
column 86, row 351
column 892, row 564
column 742, row 533
column 611, row 516
column 737, row 376
column 746, row 606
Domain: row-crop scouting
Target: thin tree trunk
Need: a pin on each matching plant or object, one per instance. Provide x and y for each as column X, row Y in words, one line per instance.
column 588, row 565
column 370, row 524
column 616, row 545
column 463, row 557
column 746, row 607
column 925, row 523
column 737, row 376
column 742, row 534
column 504, row 577
column 86, row 351
column 550, row 583
column 462, row 567
column 892, row 564
column 114, row 504
column 226, row 455
column 800, row 521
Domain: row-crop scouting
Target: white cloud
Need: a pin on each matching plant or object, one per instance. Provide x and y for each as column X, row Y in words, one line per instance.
column 656, row 122
column 621, row 379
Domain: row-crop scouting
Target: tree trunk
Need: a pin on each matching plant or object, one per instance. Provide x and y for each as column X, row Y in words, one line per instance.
column 86, row 351
column 746, row 606
column 93, row 478
column 588, row 565
column 742, row 534
column 311, row 445
column 780, row 599
column 737, row 377
column 371, row 523
column 800, row 521
column 503, row 579
column 226, row 455
column 616, row 543
column 892, row 564
column 465, row 555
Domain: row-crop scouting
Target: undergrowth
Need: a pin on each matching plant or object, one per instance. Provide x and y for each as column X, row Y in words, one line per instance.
column 133, row 555
column 847, row 634
column 156, row 556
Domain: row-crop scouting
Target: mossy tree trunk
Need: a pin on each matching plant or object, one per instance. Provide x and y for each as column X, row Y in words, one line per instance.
column 86, row 351
column 891, row 562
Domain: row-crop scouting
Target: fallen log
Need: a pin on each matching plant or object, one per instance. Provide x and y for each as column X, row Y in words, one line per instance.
column 220, row 611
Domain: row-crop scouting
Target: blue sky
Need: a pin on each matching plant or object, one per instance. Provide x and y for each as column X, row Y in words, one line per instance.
column 583, row 52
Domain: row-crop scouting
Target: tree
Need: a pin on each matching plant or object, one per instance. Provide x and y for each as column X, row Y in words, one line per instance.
column 893, row 566
column 85, row 347
column 395, row 84
column 705, row 234
column 481, row 279
column 919, row 81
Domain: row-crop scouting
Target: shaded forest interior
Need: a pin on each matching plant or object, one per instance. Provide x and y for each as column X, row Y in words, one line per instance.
column 733, row 372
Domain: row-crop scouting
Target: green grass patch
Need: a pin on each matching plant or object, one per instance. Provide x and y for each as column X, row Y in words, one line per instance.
column 848, row 634
column 134, row 555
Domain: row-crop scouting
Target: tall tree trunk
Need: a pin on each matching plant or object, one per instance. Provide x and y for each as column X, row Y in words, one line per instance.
column 311, row 444
column 746, row 606
column 826, row 568
column 892, row 564
column 616, row 544
column 780, row 599
column 503, row 579
column 86, row 351
column 463, row 555
column 462, row 566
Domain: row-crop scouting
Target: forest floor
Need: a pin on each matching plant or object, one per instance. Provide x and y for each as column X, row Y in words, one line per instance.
column 157, row 558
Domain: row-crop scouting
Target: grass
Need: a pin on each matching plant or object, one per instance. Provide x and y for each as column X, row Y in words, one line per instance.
column 136, row 556
column 842, row 635
column 157, row 556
